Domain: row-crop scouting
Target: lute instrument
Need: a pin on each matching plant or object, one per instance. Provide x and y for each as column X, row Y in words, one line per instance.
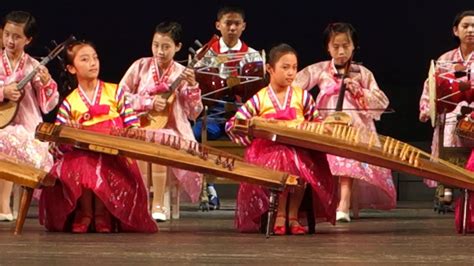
column 9, row 109
column 157, row 120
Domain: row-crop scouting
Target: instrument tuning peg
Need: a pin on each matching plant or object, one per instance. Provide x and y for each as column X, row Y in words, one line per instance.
column 198, row 43
column 192, row 51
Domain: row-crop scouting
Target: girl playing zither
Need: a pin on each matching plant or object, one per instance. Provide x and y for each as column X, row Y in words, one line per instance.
column 95, row 192
column 282, row 101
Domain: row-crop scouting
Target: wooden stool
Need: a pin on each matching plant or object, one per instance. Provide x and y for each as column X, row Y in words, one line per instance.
column 28, row 178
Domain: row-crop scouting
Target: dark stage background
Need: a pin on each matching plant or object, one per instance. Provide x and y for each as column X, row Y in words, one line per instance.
column 397, row 40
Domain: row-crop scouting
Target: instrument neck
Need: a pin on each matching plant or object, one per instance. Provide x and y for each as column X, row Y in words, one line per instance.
column 343, row 73
column 178, row 80
column 342, row 91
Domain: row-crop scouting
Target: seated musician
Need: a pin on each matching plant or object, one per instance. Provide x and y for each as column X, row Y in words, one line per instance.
column 147, row 79
column 39, row 96
column 367, row 185
column 460, row 57
column 94, row 191
column 282, row 101
column 231, row 24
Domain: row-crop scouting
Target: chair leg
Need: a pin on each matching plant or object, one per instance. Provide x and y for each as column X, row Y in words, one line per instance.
column 26, row 196
column 167, row 202
column 204, row 202
column 311, row 220
column 173, row 188
column 271, row 212
column 16, row 200
column 175, row 205
column 464, row 216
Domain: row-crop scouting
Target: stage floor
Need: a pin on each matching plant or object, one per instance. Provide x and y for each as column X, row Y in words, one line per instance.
column 412, row 233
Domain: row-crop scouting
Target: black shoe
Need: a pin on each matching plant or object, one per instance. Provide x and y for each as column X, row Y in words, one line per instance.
column 204, row 206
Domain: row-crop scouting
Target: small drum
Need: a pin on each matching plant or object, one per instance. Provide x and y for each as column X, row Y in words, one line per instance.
column 465, row 131
column 453, row 85
column 253, row 81
column 231, row 77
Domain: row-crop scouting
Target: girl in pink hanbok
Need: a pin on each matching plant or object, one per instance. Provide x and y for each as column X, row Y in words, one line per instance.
column 463, row 30
column 39, row 96
column 94, row 190
column 145, row 81
column 282, row 101
column 371, row 186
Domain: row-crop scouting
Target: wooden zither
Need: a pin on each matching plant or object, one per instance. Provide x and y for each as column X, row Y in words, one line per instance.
column 29, row 178
column 172, row 151
column 362, row 145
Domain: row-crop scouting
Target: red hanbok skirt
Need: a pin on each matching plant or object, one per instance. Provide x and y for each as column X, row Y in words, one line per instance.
column 115, row 180
column 311, row 166
column 459, row 209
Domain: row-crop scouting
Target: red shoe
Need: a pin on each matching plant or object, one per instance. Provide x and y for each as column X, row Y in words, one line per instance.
column 280, row 230
column 81, row 222
column 103, row 223
column 296, row 228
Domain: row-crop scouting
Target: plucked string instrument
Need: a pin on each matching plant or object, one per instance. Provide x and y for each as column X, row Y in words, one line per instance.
column 171, row 150
column 359, row 144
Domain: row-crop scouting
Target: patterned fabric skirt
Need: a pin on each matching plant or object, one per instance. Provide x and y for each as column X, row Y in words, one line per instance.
column 312, row 167
column 116, row 181
column 16, row 142
column 374, row 186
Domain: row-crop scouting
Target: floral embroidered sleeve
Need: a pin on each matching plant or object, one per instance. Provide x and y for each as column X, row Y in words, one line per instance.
column 424, row 103
column 130, row 83
column 369, row 96
column 47, row 94
column 190, row 97
column 308, row 77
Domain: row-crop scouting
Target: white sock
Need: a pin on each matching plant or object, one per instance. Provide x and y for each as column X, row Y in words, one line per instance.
column 211, row 191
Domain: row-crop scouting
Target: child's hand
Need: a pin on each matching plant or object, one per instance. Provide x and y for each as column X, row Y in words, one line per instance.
column 11, row 92
column 188, row 75
column 73, row 124
column 424, row 117
column 352, row 85
column 159, row 103
column 44, row 75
